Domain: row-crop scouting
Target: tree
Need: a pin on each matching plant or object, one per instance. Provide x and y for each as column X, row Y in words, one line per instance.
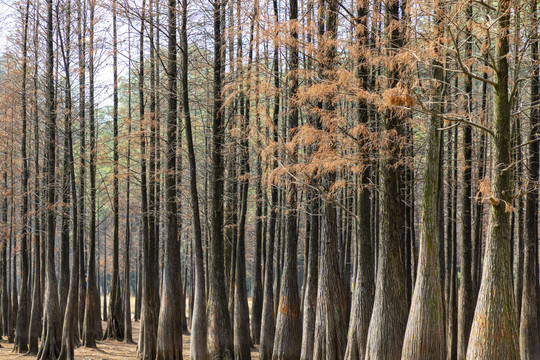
column 169, row 336
column 494, row 328
column 21, row 332
column 220, row 342
column 50, row 337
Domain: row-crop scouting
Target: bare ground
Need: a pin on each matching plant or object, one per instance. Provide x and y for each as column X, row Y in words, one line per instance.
column 108, row 349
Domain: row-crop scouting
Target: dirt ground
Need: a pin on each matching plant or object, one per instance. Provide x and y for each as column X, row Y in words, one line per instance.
column 109, row 349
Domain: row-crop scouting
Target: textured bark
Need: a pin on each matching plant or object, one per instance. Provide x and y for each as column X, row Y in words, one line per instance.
column 90, row 332
column 35, row 311
column 21, row 331
column 311, row 284
column 494, row 332
column 390, row 308
column 70, row 335
column 150, row 301
column 169, row 336
column 4, row 272
column 51, row 336
column 466, row 298
column 268, row 314
column 115, row 319
column 330, row 339
column 128, row 334
column 529, row 341
column 241, row 335
column 288, row 337
column 364, row 276
column 220, row 341
column 424, row 336
column 331, row 314
column 81, row 31
column 198, row 347
column 241, row 310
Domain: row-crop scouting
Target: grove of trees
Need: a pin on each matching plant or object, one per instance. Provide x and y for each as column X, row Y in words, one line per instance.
column 313, row 179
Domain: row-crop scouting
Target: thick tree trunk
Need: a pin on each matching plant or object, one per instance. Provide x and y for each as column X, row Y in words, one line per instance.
column 390, row 308
column 288, row 337
column 494, row 332
column 424, row 336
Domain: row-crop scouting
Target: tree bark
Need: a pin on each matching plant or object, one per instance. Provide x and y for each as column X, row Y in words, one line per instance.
column 494, row 331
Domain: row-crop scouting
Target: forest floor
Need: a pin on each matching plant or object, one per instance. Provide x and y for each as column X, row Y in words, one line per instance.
column 108, row 349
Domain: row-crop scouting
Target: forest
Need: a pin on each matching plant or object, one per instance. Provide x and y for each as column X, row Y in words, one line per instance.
column 284, row 179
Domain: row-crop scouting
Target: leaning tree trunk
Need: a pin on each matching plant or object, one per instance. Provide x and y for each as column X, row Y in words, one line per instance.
column 494, row 332
column 198, row 347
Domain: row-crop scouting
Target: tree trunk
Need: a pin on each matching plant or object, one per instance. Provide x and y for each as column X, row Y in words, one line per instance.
column 220, row 339
column 115, row 319
column 51, row 336
column 21, row 332
column 424, row 336
column 466, row 298
column 169, row 336
column 528, row 329
column 288, row 337
column 92, row 313
column 390, row 308
column 494, row 329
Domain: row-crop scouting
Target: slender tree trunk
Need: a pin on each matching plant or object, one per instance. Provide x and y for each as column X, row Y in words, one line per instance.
column 21, row 331
column 198, row 348
column 268, row 313
column 92, row 313
column 128, row 336
column 51, row 336
column 169, row 336
column 364, row 283
column 36, row 311
column 115, row 319
column 220, row 341
column 529, row 341
column 81, row 31
column 466, row 299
